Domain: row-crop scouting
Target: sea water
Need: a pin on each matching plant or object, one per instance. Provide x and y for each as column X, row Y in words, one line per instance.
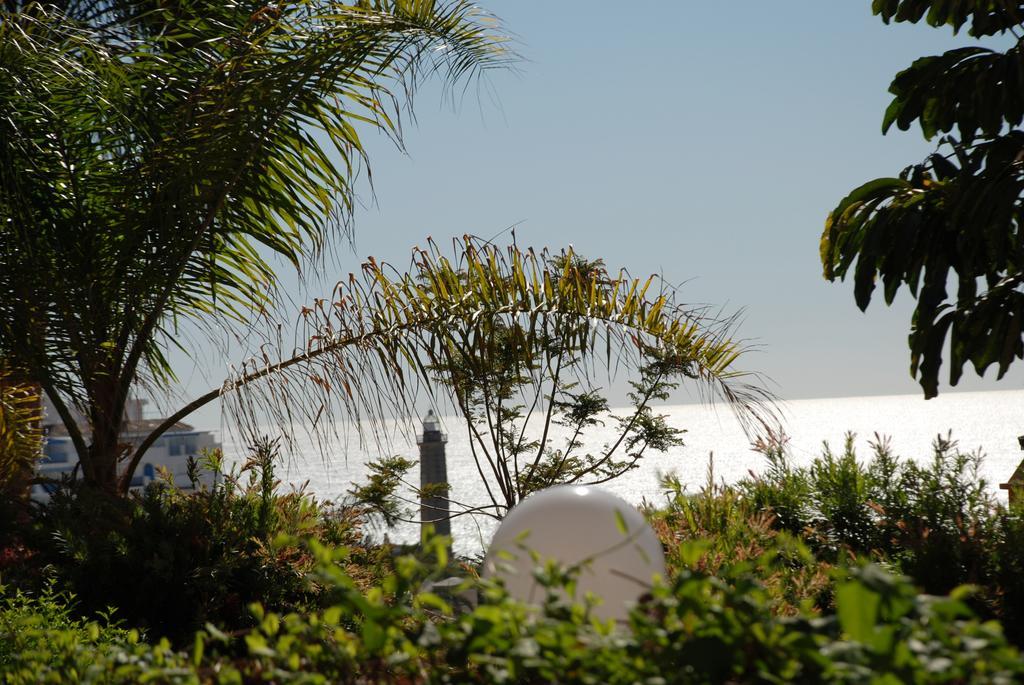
column 986, row 421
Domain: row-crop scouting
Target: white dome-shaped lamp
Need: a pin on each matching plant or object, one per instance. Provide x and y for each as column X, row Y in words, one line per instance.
column 574, row 524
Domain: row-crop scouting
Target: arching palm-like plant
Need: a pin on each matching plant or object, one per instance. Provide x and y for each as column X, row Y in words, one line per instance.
column 506, row 335
column 152, row 153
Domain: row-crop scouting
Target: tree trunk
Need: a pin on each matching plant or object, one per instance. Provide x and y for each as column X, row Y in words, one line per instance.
column 99, row 464
column 103, row 457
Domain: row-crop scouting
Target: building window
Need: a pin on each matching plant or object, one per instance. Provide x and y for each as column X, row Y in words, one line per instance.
column 55, row 455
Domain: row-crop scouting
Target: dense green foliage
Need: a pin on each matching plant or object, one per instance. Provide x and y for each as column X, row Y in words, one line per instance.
column 958, row 216
column 170, row 561
column 767, row 582
column 934, row 521
column 696, row 629
column 40, row 629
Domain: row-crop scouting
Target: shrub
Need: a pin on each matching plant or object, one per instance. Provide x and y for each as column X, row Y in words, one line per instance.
column 930, row 520
column 783, row 490
column 935, row 521
column 698, row 628
column 936, row 518
column 42, row 642
column 725, row 528
column 170, row 561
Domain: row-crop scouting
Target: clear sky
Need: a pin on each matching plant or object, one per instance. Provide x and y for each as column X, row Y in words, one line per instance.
column 705, row 141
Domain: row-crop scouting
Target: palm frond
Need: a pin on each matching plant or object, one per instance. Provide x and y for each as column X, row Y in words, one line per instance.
column 155, row 156
column 363, row 354
column 21, row 440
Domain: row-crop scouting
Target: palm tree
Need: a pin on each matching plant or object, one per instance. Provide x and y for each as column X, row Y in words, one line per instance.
column 153, row 154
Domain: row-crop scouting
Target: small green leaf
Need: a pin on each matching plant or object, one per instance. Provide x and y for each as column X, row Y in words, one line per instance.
column 857, row 609
column 620, row 523
column 373, row 636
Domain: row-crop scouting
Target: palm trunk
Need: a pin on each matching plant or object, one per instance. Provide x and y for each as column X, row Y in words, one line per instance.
column 103, row 457
column 99, row 464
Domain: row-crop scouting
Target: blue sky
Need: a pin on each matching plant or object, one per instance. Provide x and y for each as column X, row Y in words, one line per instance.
column 704, row 141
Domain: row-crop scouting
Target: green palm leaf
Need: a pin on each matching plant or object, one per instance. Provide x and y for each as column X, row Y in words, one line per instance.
column 384, row 335
column 153, row 157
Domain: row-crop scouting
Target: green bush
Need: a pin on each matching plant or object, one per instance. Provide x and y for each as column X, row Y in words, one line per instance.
column 937, row 519
column 728, row 529
column 782, row 489
column 42, row 642
column 170, row 561
column 934, row 521
column 281, row 591
column 699, row 628
column 931, row 519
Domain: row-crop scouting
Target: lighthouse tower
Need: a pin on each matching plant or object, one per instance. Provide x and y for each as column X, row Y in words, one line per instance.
column 433, row 469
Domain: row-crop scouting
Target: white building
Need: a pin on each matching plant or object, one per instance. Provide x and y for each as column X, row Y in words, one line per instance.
column 170, row 453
